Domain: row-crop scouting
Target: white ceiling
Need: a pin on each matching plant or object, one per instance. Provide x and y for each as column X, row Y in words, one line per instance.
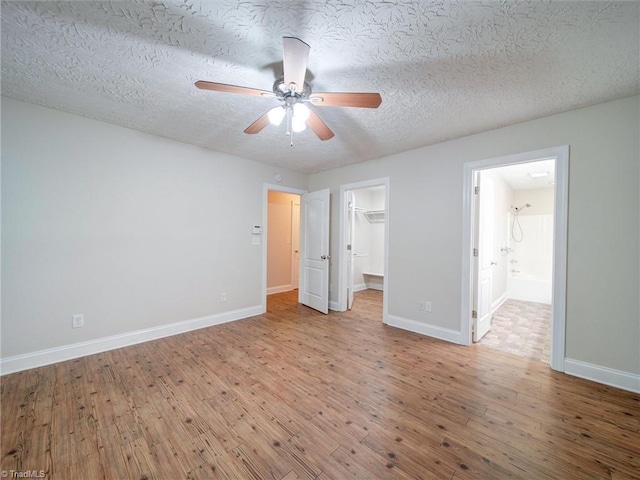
column 519, row 176
column 444, row 69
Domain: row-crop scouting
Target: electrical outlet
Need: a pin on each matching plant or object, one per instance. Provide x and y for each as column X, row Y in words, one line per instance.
column 223, row 296
column 77, row 321
column 427, row 306
column 420, row 305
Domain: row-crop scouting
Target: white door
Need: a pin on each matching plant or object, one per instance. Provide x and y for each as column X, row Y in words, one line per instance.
column 483, row 262
column 351, row 227
column 314, row 250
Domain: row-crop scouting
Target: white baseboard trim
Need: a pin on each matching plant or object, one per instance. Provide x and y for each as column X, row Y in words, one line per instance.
column 498, row 303
column 375, row 286
column 607, row 376
column 415, row 326
column 41, row 358
column 279, row 289
column 359, row 287
column 333, row 305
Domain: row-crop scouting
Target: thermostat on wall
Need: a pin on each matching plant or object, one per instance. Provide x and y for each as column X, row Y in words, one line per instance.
column 257, row 230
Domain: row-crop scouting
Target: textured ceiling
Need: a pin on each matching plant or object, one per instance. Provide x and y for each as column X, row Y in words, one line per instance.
column 444, row 69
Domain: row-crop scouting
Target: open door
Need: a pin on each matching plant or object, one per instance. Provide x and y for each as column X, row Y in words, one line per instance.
column 314, row 250
column 351, row 219
column 482, row 258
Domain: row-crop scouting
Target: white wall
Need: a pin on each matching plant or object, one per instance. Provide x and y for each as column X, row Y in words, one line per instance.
column 603, row 310
column 540, row 199
column 132, row 230
column 376, row 234
column 369, row 238
column 534, row 227
column 503, row 196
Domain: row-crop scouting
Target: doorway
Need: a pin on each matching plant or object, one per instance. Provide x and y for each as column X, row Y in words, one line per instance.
column 309, row 231
column 364, row 240
column 278, row 254
column 493, row 260
column 282, row 241
column 515, row 258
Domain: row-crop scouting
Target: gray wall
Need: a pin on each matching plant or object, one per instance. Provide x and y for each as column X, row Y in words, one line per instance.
column 137, row 231
column 132, row 230
column 603, row 311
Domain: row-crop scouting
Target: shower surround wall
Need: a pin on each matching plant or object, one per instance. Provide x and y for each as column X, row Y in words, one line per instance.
column 531, row 260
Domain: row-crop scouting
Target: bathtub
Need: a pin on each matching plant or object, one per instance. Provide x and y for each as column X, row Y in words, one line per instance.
column 529, row 288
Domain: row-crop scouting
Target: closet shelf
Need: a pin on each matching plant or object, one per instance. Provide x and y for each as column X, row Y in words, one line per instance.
column 375, row 216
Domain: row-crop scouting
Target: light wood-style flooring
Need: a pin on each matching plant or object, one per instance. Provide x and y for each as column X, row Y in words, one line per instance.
column 297, row 394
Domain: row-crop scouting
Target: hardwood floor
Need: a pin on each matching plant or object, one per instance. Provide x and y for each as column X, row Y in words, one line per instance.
column 296, row 394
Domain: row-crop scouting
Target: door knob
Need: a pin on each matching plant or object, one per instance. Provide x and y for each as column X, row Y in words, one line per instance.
column 325, row 257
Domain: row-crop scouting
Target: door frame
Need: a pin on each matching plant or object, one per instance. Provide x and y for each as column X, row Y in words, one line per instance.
column 559, row 277
column 266, row 187
column 341, row 304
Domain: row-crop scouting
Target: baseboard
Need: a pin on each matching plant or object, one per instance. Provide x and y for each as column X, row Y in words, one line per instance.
column 607, row 376
column 359, row 287
column 279, row 289
column 498, row 303
column 68, row 352
column 415, row 326
column 335, row 306
column 375, row 286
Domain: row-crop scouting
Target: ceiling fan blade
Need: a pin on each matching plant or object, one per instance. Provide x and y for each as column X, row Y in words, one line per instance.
column 258, row 125
column 335, row 99
column 295, row 57
column 315, row 123
column 223, row 87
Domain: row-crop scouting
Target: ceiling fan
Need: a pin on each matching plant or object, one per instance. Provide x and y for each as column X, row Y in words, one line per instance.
column 294, row 94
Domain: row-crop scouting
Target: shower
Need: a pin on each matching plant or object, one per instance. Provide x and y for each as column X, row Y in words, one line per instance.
column 516, row 221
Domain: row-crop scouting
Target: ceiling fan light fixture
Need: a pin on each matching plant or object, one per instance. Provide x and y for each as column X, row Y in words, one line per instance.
column 276, row 115
column 294, row 94
column 301, row 111
column 298, row 124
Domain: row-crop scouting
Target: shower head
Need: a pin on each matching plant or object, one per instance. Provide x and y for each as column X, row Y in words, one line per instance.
column 526, row 205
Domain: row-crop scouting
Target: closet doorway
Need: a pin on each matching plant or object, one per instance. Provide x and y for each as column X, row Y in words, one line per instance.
column 364, row 241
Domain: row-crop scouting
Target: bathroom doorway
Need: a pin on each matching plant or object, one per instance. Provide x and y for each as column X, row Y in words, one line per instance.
column 516, row 267
column 516, row 247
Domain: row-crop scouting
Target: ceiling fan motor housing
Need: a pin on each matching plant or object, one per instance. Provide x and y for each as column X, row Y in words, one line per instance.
column 282, row 90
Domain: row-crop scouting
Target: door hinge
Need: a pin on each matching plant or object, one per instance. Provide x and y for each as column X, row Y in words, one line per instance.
column 476, row 190
column 474, row 314
column 475, row 252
